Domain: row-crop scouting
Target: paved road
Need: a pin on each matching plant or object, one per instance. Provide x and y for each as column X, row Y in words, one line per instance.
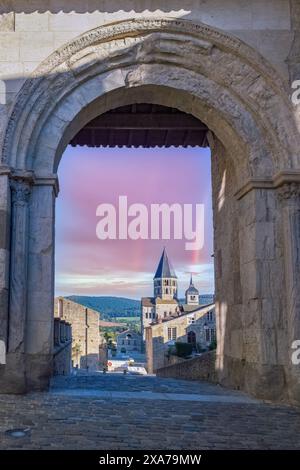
column 129, row 412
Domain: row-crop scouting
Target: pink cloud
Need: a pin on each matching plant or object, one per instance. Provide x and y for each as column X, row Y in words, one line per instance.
column 89, row 177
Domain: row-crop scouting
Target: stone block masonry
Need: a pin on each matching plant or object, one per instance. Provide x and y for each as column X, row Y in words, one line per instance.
column 198, row 368
column 230, row 65
column 85, row 333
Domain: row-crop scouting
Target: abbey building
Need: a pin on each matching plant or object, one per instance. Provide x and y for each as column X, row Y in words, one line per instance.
column 165, row 304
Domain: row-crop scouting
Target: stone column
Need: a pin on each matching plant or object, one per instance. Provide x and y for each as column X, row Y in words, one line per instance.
column 262, row 319
column 18, row 271
column 56, row 331
column 149, row 350
column 62, row 331
column 5, row 212
column 15, row 377
column 289, row 196
column 69, row 334
column 40, row 311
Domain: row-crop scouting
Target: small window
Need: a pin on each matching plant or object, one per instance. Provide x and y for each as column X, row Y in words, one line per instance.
column 207, row 335
column 172, row 334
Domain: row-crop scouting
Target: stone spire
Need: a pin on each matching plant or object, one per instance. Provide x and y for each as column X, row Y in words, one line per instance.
column 165, row 268
column 165, row 279
column 192, row 294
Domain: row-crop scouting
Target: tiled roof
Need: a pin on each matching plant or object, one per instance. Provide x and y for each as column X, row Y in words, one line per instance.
column 193, row 308
column 184, row 314
column 158, row 300
column 148, row 301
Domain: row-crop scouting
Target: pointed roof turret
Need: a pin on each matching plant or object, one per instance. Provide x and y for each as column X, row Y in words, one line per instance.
column 192, row 289
column 164, row 268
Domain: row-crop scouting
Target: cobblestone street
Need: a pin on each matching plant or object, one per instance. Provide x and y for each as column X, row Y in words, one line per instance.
column 131, row 412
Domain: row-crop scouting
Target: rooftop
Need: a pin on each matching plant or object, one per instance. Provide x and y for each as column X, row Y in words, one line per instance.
column 165, row 268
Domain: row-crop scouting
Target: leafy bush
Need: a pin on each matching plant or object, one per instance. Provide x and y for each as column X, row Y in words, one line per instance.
column 183, row 349
column 213, row 345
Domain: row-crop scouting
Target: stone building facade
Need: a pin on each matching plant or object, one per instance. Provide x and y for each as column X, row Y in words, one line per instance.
column 233, row 66
column 129, row 341
column 85, row 332
column 197, row 327
column 165, row 303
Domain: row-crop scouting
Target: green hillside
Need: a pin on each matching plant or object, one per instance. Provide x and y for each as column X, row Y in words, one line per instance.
column 110, row 307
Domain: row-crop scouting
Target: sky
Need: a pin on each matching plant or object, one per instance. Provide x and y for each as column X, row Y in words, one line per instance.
column 86, row 265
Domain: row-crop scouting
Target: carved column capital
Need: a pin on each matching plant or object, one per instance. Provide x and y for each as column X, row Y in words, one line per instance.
column 289, row 192
column 20, row 191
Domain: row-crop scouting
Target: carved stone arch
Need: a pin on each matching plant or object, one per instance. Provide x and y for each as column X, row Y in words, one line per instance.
column 255, row 144
column 227, row 74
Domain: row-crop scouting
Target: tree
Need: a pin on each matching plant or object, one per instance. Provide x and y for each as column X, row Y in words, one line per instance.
column 183, row 349
column 76, row 352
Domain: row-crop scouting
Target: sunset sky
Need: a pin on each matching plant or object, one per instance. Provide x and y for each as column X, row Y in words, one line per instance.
column 86, row 265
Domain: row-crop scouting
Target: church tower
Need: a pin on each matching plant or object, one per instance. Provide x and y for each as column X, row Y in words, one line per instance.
column 165, row 279
column 192, row 294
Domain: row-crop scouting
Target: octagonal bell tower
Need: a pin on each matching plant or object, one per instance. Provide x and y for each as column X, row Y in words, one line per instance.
column 165, row 279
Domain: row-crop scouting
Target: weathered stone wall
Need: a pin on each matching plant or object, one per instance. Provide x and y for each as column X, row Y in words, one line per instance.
column 198, row 368
column 85, row 332
column 157, row 341
column 31, row 30
column 62, row 351
column 129, row 341
column 242, row 97
column 62, row 361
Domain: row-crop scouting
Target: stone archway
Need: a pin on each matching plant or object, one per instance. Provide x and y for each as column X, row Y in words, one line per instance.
column 256, row 173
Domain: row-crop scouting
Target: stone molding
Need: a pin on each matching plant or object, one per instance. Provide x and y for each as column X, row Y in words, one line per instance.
column 139, row 26
column 51, row 180
column 30, row 178
column 63, row 70
column 286, row 181
column 289, row 192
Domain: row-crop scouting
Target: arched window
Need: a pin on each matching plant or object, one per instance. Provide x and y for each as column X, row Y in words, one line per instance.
column 191, row 338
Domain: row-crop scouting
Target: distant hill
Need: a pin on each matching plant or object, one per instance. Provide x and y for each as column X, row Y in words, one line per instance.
column 110, row 307
column 113, row 307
